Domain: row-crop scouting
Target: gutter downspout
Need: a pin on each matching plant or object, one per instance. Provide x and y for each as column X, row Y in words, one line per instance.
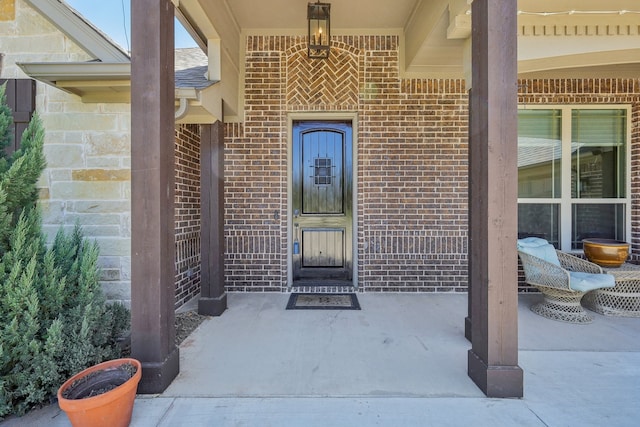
column 183, row 108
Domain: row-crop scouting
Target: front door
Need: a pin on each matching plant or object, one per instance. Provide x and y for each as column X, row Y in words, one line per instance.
column 322, row 178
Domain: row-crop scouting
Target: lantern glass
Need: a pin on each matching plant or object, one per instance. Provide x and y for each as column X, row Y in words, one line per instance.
column 319, row 30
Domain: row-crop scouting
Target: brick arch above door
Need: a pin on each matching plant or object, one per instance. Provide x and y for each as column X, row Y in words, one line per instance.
column 323, row 84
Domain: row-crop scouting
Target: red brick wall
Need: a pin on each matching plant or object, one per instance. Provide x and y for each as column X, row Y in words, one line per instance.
column 412, row 163
column 413, row 184
column 255, row 190
column 411, row 160
column 187, row 212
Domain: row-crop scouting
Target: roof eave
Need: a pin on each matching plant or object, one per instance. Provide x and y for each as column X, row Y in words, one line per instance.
column 82, row 32
column 111, row 83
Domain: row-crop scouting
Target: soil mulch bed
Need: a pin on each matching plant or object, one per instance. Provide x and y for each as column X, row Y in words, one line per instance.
column 99, row 382
column 186, row 323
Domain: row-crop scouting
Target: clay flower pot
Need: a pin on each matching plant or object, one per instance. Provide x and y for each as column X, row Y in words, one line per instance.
column 78, row 397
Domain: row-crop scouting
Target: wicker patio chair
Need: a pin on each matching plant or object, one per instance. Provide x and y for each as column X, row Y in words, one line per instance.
column 563, row 279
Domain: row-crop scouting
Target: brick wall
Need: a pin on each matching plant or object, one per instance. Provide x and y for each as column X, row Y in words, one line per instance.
column 412, row 163
column 187, row 211
column 411, row 160
column 413, row 183
column 255, row 190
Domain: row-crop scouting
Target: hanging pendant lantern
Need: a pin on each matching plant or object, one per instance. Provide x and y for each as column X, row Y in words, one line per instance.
column 319, row 30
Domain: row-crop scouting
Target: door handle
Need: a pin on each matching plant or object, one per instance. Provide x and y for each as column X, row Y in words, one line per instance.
column 296, row 242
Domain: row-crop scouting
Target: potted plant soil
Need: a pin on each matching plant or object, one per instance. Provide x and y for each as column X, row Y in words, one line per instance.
column 101, row 395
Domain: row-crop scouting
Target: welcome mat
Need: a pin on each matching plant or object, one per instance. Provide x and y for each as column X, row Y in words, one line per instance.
column 323, row 302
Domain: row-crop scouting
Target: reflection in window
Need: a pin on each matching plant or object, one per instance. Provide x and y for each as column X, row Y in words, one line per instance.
column 322, row 171
column 598, row 153
column 539, row 153
column 597, row 220
column 539, row 220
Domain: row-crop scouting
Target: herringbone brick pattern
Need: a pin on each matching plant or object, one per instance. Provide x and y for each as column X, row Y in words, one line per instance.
column 331, row 82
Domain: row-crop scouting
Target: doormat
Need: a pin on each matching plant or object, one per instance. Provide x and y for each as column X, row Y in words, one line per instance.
column 323, row 302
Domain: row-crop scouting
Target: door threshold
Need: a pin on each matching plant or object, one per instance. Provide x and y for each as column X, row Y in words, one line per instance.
column 317, row 286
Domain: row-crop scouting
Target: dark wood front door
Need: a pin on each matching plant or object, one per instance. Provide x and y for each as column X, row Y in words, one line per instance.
column 322, row 200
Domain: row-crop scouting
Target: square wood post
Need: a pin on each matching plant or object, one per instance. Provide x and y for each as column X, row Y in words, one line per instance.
column 493, row 358
column 213, row 298
column 467, row 321
column 152, row 194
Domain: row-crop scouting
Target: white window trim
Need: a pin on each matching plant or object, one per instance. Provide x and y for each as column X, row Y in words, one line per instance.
column 567, row 202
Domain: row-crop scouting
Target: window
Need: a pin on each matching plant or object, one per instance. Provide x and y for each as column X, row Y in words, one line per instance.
column 573, row 174
column 322, row 171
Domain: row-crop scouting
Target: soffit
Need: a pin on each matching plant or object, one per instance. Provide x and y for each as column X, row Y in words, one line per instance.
column 345, row 14
column 628, row 71
column 91, row 81
column 111, row 83
column 434, row 32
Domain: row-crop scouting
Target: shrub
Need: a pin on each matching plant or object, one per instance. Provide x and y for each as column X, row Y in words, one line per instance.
column 54, row 320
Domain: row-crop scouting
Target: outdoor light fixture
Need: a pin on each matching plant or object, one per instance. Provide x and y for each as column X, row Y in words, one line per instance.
column 319, row 30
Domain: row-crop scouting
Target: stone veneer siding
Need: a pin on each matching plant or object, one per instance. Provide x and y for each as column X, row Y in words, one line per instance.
column 187, row 209
column 87, row 147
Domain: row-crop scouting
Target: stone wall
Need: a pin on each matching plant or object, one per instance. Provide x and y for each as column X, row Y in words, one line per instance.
column 87, row 147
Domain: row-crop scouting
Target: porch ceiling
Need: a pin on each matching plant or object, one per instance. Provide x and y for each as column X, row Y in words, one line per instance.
column 435, row 33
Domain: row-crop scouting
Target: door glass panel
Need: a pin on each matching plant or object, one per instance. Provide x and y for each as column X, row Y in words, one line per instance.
column 323, row 171
column 539, row 220
column 539, row 153
column 597, row 220
column 322, row 180
column 598, row 147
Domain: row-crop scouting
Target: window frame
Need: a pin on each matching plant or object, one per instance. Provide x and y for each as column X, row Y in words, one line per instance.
column 566, row 202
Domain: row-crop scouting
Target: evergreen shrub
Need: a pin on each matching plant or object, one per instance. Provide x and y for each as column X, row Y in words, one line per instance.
column 54, row 320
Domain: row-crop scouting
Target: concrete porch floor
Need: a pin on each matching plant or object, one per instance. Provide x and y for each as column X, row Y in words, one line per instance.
column 401, row 360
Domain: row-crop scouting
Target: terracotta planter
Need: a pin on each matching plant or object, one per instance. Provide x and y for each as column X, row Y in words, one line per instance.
column 112, row 408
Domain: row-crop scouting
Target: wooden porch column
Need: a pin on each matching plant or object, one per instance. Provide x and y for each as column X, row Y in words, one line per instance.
column 152, row 194
column 467, row 321
column 493, row 358
column 213, row 298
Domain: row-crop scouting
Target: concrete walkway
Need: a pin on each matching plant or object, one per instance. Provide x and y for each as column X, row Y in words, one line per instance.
column 400, row 361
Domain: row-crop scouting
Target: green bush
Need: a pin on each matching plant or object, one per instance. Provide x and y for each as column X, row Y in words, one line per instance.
column 54, row 320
